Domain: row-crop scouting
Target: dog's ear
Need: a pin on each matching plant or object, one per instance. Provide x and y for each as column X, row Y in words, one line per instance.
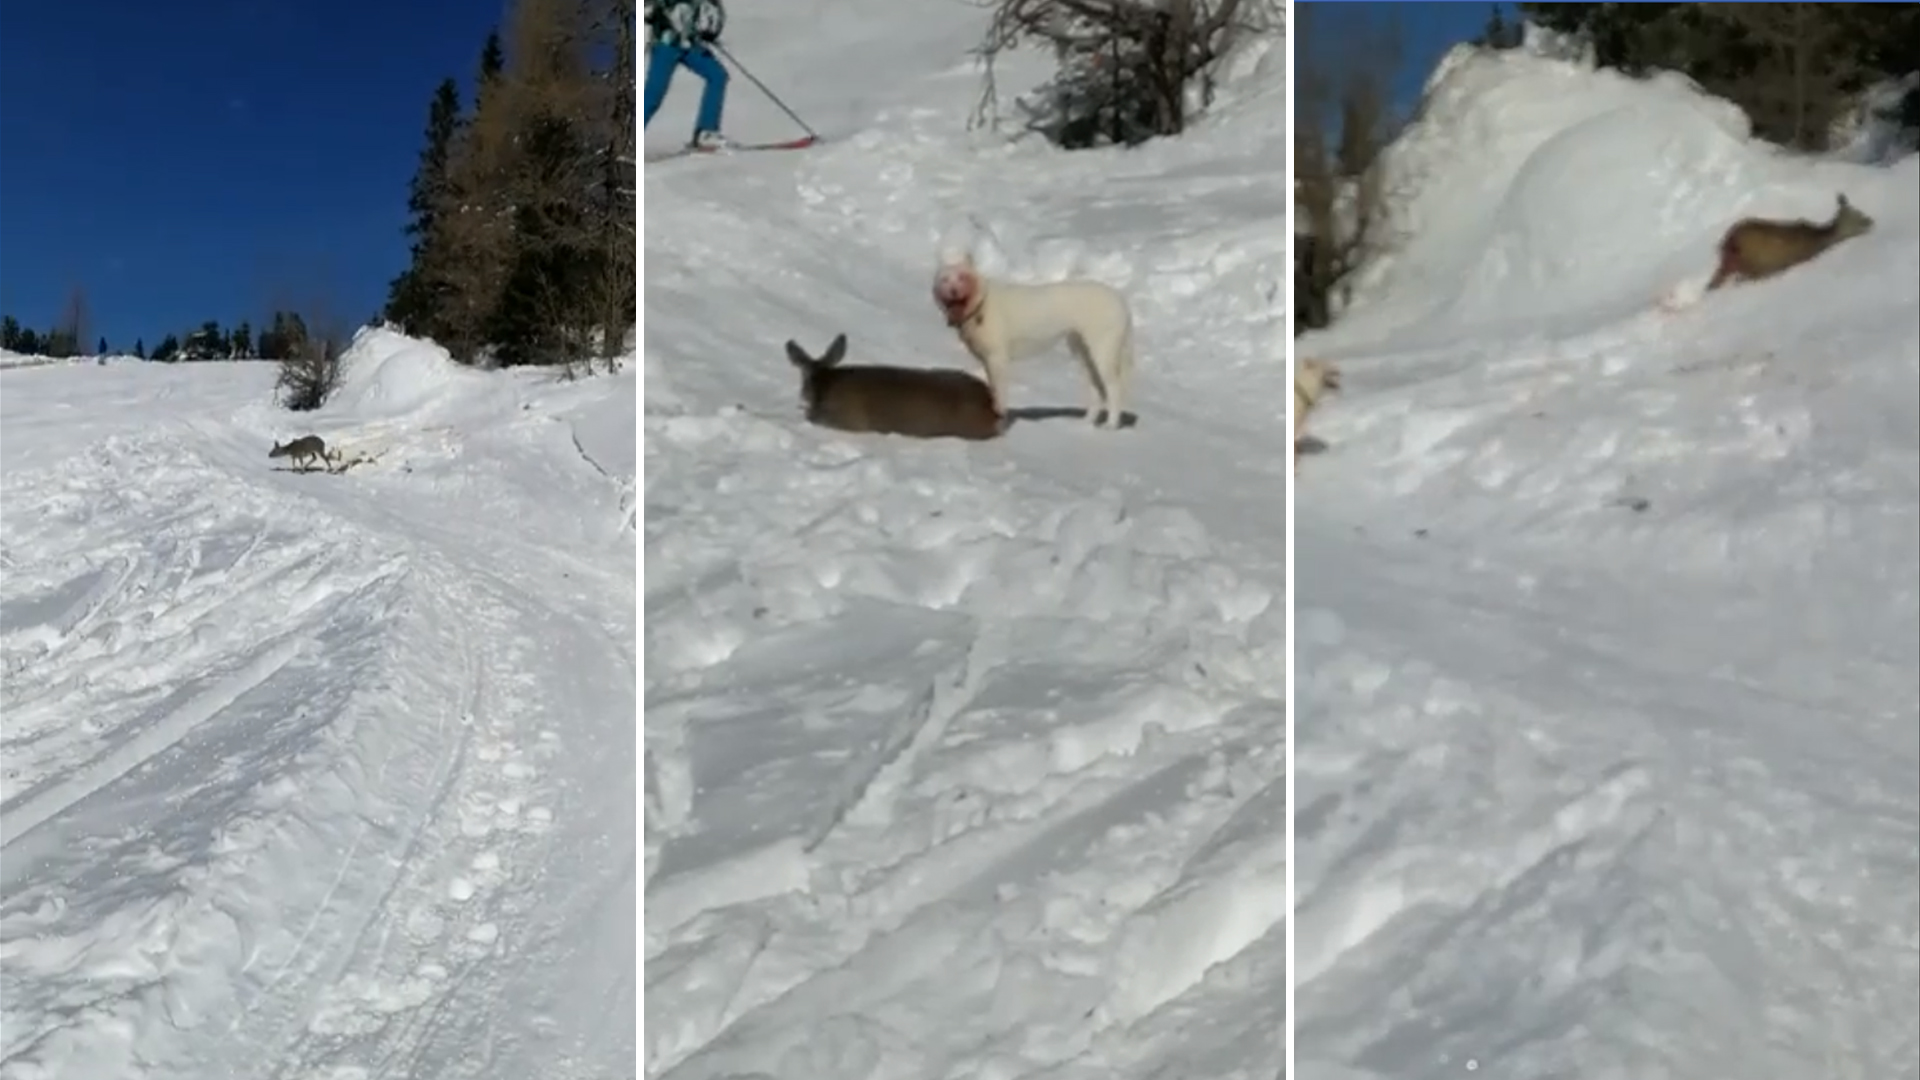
column 835, row 352
column 799, row 356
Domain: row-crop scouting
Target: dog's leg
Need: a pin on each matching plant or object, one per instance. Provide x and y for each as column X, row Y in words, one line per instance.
column 994, row 361
column 1120, row 372
column 1097, row 401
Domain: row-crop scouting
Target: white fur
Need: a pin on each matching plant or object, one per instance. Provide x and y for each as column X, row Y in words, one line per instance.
column 1012, row 321
column 1312, row 381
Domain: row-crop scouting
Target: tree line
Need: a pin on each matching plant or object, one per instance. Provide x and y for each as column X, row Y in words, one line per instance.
column 281, row 339
column 522, row 209
column 1794, row 68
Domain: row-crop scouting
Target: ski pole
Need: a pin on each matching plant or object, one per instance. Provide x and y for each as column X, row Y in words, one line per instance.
column 771, row 96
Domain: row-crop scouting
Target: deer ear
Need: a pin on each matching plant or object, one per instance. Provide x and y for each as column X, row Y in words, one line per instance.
column 836, row 351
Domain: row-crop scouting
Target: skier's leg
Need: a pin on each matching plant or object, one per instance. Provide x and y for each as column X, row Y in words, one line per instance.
column 713, row 99
column 661, row 60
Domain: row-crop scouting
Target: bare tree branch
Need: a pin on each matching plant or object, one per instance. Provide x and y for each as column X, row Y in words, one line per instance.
column 1342, row 92
column 1126, row 65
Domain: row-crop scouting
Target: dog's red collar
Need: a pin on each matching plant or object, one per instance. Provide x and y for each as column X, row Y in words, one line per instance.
column 972, row 313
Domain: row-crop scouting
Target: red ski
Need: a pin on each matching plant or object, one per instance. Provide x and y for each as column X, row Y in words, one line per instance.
column 800, row 143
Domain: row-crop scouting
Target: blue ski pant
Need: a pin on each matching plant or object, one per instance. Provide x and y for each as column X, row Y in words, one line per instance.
column 662, row 59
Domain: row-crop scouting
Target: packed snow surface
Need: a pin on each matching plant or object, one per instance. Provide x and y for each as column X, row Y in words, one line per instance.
column 961, row 760
column 317, row 776
column 1608, row 610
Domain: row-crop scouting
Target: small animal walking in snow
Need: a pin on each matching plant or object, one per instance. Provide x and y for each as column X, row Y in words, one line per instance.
column 1001, row 321
column 305, row 448
column 1312, row 381
column 682, row 33
column 1757, row 248
column 922, row 402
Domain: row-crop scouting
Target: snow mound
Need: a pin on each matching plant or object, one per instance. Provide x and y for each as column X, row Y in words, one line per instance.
column 1576, row 194
column 385, row 375
column 11, row 359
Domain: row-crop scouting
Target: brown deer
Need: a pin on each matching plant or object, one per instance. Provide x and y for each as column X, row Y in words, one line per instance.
column 926, row 403
column 306, row 448
column 1757, row 248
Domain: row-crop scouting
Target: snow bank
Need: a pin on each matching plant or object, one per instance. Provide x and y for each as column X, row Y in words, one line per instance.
column 1579, row 195
column 10, row 359
column 385, row 375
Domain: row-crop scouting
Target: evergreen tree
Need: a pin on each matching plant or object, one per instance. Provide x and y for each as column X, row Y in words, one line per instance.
column 168, row 350
column 140, row 348
column 520, row 212
column 492, row 60
column 59, row 344
column 207, row 343
column 282, row 338
column 102, row 350
column 549, row 272
column 10, row 334
column 242, row 341
column 443, row 119
column 1793, row 67
column 413, row 301
column 29, row 343
column 1499, row 33
column 552, row 299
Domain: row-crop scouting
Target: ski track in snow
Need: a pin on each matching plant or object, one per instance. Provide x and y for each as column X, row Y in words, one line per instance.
column 963, row 761
column 1609, row 711
column 310, row 776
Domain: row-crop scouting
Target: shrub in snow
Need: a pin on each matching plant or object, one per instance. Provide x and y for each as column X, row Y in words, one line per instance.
column 309, row 371
column 1128, row 70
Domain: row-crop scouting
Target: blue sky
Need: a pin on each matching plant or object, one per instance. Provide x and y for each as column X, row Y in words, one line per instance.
column 1426, row 31
column 197, row 160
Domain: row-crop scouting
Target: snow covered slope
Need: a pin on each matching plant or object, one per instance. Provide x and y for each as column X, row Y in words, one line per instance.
column 1608, row 616
column 316, row 776
column 961, row 760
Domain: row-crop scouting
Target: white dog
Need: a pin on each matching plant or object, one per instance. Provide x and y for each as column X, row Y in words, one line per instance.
column 1313, row 380
column 1001, row 321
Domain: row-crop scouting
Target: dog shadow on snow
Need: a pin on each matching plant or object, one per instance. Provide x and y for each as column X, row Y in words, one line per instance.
column 1057, row 412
